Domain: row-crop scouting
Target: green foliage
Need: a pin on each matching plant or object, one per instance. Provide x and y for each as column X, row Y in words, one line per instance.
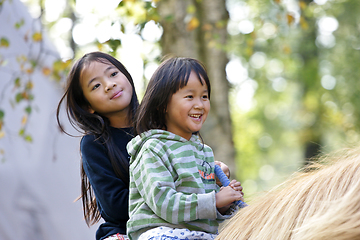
column 291, row 110
column 22, row 79
column 19, row 24
column 113, row 44
column 316, row 105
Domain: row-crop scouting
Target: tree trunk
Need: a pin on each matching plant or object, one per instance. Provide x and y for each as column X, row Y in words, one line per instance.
column 198, row 29
column 310, row 77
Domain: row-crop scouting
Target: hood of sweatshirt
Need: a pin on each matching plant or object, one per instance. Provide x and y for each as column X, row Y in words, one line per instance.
column 135, row 145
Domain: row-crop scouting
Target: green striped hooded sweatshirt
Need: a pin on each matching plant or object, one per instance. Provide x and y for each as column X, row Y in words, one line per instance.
column 172, row 183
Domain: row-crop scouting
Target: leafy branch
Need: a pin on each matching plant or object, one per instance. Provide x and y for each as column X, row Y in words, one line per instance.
column 22, row 80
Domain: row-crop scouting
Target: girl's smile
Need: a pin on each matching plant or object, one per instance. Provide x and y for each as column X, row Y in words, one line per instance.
column 196, row 117
column 117, row 94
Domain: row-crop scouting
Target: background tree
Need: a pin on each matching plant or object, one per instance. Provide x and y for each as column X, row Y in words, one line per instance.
column 298, row 63
column 284, row 73
column 198, row 29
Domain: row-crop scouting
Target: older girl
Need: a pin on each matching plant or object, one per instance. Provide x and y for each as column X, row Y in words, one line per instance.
column 101, row 102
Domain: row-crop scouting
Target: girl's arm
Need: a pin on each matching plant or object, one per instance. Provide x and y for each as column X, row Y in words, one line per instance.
column 154, row 179
column 110, row 191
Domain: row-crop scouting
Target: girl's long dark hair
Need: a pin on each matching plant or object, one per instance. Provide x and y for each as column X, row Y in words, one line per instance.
column 85, row 122
column 170, row 76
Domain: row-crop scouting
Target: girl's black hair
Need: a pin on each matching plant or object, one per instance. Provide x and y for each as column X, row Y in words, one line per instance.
column 82, row 120
column 170, row 76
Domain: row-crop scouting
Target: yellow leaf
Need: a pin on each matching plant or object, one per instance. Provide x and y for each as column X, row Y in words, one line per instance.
column 249, row 51
column 29, row 70
column 207, row 27
column 2, row 134
column 208, row 35
column 4, row 42
column 100, row 46
column 29, row 85
column 28, row 138
column 211, row 44
column 46, row 71
column 155, row 17
column 24, row 120
column 135, row 10
column 311, row 102
column 303, row 23
column 37, row 37
column 2, row 152
column 57, row 65
column 21, row 58
column 67, row 63
column 302, row 5
column 25, row 95
column 287, row 49
column 192, row 24
column 191, row 9
column 290, row 19
column 221, row 24
column 3, row 62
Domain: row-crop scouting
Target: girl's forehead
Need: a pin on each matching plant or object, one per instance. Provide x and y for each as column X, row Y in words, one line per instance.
column 192, row 82
column 98, row 62
column 92, row 67
column 195, row 75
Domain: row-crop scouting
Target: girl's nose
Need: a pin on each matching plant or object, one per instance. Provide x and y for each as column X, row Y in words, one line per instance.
column 110, row 86
column 199, row 104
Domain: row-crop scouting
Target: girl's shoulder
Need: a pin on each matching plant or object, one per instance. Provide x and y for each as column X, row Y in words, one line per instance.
column 88, row 138
column 152, row 140
column 144, row 139
column 90, row 141
column 122, row 133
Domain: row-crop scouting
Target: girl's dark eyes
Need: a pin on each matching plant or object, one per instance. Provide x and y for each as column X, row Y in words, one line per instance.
column 190, row 96
column 96, row 86
column 114, row 74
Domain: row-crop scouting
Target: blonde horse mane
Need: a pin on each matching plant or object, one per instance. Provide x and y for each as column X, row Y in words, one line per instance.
column 320, row 202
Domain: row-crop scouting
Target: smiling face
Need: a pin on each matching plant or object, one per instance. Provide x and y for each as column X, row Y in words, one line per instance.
column 107, row 90
column 188, row 108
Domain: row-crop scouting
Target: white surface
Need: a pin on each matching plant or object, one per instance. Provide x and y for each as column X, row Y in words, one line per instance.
column 39, row 181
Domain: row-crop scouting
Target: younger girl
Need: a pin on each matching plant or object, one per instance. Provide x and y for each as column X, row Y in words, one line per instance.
column 101, row 102
column 173, row 194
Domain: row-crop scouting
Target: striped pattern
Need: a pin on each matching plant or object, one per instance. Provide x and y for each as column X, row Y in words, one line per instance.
column 172, row 183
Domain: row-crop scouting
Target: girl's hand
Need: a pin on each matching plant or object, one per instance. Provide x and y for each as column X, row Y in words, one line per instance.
column 225, row 197
column 236, row 186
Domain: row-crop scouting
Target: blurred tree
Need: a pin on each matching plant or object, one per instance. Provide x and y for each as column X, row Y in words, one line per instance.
column 30, row 34
column 294, row 64
column 198, row 29
column 309, row 79
column 301, row 63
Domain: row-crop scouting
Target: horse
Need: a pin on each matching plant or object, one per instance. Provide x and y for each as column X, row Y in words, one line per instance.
column 320, row 201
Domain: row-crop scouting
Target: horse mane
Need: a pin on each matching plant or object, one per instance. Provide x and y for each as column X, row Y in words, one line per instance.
column 321, row 201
